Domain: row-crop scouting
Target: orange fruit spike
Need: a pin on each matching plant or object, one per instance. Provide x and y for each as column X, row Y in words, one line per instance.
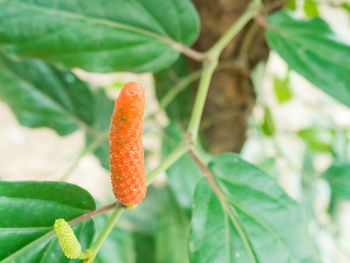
column 125, row 145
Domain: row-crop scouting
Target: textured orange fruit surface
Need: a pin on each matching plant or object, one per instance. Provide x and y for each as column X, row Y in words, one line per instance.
column 125, row 145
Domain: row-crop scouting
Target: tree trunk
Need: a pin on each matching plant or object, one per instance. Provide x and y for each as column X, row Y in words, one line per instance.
column 231, row 95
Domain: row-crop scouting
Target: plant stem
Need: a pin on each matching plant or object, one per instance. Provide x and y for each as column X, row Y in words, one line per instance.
column 93, row 250
column 252, row 10
column 99, row 211
column 180, row 86
column 174, row 91
column 187, row 51
column 208, row 70
column 183, row 83
column 180, row 150
column 211, row 62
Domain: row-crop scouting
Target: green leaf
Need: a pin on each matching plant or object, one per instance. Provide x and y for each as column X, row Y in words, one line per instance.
column 100, row 36
column 103, row 110
column 318, row 138
column 47, row 249
column 28, row 211
column 145, row 248
column 311, row 8
column 305, row 45
column 171, row 235
column 268, row 125
column 213, row 237
column 43, row 96
column 338, row 177
column 180, row 107
column 291, row 4
column 260, row 222
column 346, row 6
column 269, row 166
column 282, row 89
column 118, row 247
column 183, row 174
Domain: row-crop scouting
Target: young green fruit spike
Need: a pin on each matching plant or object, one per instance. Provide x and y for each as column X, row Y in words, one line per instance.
column 126, row 148
column 68, row 241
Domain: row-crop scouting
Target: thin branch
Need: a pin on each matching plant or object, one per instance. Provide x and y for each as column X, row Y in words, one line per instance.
column 182, row 84
column 251, row 11
column 189, row 52
column 91, row 214
column 261, row 18
column 262, row 21
column 174, row 91
column 176, row 154
column 211, row 63
column 205, row 170
column 273, row 6
column 207, row 73
column 247, row 41
column 93, row 250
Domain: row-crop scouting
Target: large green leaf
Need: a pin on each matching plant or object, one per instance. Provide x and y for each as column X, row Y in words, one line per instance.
column 213, row 237
column 101, row 36
column 183, row 174
column 171, row 234
column 338, row 176
column 260, row 222
column 42, row 96
column 312, row 49
column 28, row 211
column 48, row 250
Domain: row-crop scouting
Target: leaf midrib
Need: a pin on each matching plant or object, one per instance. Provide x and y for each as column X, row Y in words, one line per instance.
column 233, row 203
column 46, row 201
column 23, row 249
column 24, row 228
column 95, row 20
column 240, row 230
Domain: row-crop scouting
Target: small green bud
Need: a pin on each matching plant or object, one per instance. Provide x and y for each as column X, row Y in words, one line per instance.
column 68, row 241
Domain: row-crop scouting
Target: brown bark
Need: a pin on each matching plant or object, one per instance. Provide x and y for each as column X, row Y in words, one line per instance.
column 231, row 95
